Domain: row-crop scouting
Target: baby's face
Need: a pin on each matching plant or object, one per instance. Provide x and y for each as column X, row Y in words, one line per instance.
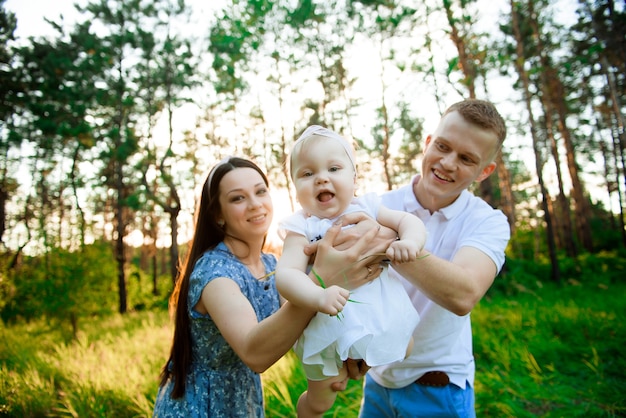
column 324, row 177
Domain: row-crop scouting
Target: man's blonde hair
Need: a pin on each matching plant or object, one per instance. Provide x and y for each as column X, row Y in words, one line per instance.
column 482, row 114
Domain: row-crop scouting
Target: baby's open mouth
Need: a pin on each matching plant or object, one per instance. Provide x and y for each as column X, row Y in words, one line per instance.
column 325, row 196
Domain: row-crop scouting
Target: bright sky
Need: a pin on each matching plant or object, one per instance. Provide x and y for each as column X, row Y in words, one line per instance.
column 31, row 13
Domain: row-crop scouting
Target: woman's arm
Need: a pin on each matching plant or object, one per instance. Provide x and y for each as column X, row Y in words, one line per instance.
column 261, row 344
column 258, row 344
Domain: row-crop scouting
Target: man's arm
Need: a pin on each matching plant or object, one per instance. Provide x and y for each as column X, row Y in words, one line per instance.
column 456, row 285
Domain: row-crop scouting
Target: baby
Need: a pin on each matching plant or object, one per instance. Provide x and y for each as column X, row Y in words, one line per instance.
column 377, row 323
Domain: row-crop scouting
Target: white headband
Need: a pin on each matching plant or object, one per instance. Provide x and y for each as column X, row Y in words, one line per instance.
column 222, row 162
column 327, row 133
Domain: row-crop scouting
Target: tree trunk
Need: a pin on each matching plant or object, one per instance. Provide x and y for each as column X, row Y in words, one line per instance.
column 618, row 187
column 155, row 288
column 174, row 247
column 507, row 204
column 468, row 68
column 563, row 220
column 120, row 254
column 555, row 94
column 4, row 196
column 519, row 64
column 618, row 140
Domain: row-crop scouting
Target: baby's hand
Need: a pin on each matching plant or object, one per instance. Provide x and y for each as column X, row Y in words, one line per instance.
column 403, row 251
column 333, row 299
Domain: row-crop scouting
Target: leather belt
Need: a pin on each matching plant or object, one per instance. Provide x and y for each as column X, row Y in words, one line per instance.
column 435, row 379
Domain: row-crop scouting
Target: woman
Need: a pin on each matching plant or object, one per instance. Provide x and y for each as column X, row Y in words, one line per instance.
column 229, row 322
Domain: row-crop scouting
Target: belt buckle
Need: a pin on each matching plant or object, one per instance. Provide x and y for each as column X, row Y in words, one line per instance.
column 434, row 379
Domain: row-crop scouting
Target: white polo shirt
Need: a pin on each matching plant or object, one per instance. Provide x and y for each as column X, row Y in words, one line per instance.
column 442, row 339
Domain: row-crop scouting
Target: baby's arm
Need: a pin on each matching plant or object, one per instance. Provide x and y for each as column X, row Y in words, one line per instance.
column 411, row 233
column 296, row 286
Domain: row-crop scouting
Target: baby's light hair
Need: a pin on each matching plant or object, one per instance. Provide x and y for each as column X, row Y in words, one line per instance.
column 326, row 133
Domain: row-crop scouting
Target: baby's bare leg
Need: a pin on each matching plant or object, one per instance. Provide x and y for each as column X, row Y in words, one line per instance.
column 319, row 397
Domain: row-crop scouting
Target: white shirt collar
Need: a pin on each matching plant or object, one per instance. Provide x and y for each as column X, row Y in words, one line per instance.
column 449, row 212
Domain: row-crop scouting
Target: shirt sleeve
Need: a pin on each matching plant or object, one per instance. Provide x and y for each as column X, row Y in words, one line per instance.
column 292, row 223
column 491, row 235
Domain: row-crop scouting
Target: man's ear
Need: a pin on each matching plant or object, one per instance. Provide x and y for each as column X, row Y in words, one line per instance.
column 486, row 172
column 426, row 143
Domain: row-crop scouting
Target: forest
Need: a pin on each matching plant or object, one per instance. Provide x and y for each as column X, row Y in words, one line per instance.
column 109, row 126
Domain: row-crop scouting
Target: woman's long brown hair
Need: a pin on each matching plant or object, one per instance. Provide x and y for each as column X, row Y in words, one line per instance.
column 207, row 234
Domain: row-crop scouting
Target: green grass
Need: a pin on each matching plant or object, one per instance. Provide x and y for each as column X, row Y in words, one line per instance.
column 548, row 351
column 111, row 370
column 552, row 352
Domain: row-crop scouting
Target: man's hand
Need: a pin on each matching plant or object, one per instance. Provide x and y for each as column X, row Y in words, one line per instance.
column 356, row 370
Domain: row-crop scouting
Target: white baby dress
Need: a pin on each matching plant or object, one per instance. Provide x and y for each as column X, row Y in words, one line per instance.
column 375, row 325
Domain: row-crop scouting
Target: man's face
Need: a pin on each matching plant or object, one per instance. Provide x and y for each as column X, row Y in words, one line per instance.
column 455, row 156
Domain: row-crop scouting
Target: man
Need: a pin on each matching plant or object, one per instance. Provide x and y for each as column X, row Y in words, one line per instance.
column 463, row 254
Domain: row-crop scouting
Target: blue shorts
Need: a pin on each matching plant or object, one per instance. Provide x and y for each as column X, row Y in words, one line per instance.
column 416, row 401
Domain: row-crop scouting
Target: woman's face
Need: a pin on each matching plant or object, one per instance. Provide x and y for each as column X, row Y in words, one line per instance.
column 246, row 204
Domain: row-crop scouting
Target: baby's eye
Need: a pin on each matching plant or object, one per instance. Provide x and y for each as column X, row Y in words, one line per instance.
column 333, row 169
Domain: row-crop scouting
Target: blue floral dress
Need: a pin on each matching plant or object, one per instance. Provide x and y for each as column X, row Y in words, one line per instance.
column 219, row 384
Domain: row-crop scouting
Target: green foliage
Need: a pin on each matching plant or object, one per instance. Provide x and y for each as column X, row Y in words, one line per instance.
column 110, row 371
column 61, row 286
column 522, row 276
column 141, row 292
column 552, row 352
column 284, row 382
column 609, row 265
